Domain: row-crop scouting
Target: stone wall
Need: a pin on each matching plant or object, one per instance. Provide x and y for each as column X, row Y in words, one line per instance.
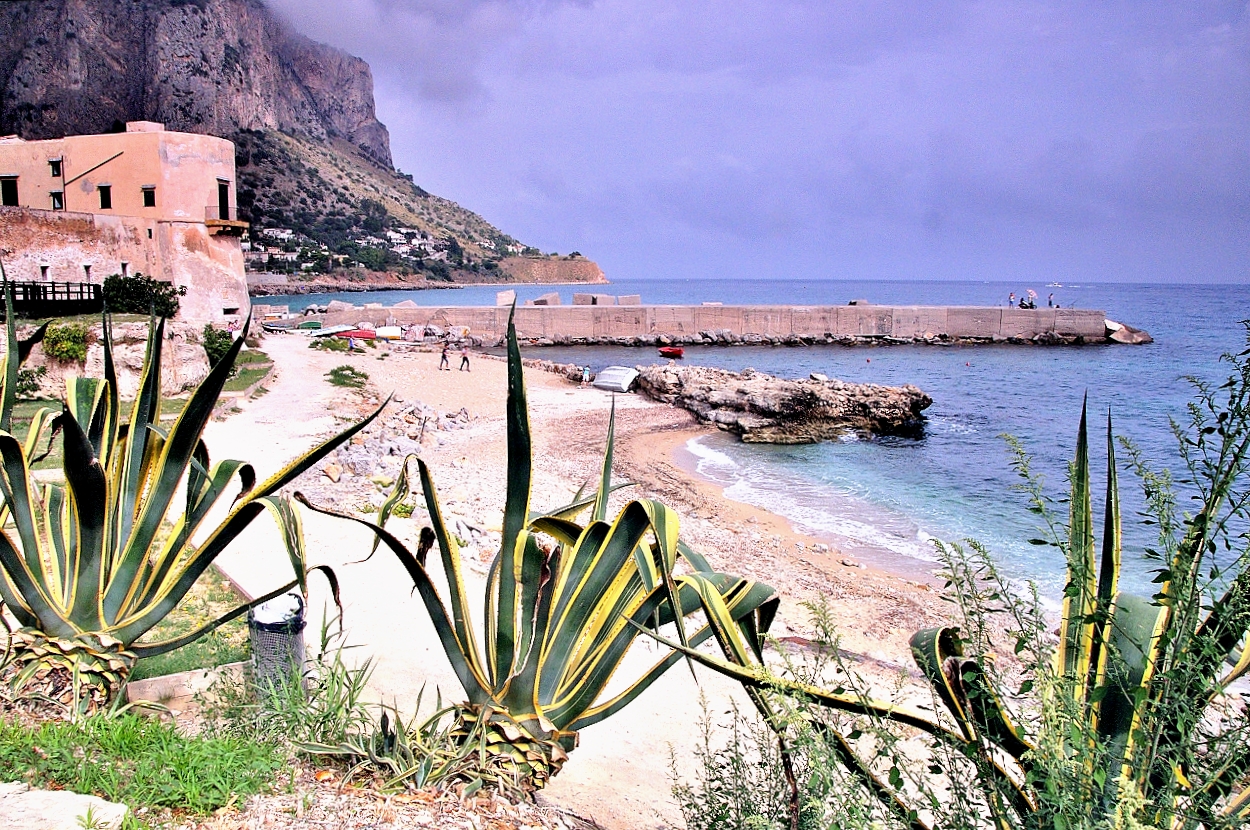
column 184, row 253
column 692, row 324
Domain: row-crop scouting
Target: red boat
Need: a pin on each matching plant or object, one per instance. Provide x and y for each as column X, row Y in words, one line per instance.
column 672, row 351
column 358, row 334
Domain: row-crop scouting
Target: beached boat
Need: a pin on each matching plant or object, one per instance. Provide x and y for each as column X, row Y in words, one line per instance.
column 615, row 379
column 358, row 334
column 309, row 324
column 389, row 332
column 672, row 351
column 331, row 331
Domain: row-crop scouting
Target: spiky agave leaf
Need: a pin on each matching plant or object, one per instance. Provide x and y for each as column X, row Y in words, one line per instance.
column 559, row 619
column 90, row 560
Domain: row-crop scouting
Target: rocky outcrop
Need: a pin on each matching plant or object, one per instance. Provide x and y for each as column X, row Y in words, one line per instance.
column 765, row 409
column 551, row 270
column 1127, row 335
column 184, row 363
column 204, row 66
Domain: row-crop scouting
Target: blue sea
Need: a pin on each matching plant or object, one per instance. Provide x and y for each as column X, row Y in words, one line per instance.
column 885, row 500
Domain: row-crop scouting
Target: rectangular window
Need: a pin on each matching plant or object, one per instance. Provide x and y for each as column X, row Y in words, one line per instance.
column 223, row 200
column 149, row 197
column 149, row 233
column 106, row 196
column 43, row 273
column 8, row 191
column 86, row 272
column 55, row 164
column 58, row 200
column 125, row 269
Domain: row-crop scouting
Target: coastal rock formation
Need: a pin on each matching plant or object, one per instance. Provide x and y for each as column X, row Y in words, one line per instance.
column 551, row 270
column 764, row 409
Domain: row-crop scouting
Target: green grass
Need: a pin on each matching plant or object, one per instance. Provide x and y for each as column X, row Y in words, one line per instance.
column 139, row 762
column 209, row 598
column 347, row 376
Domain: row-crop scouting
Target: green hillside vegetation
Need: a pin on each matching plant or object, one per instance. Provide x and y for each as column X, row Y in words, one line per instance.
column 333, row 195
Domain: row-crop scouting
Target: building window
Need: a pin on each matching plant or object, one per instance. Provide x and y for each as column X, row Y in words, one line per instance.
column 8, row 191
column 125, row 269
column 149, row 197
column 223, row 199
column 106, row 196
column 58, row 200
column 86, row 272
column 149, row 233
column 55, row 164
column 43, row 273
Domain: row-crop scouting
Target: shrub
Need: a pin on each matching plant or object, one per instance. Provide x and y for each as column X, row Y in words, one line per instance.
column 216, row 344
column 141, row 295
column 66, row 342
column 348, row 376
column 328, row 344
column 28, row 381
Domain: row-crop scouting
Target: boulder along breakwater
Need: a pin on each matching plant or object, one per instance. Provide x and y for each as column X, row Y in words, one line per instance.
column 790, row 325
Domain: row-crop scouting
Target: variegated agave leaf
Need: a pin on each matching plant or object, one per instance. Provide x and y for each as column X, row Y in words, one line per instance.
column 101, row 558
column 564, row 602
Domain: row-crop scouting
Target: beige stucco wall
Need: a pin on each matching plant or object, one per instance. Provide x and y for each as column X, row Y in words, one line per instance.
column 169, row 242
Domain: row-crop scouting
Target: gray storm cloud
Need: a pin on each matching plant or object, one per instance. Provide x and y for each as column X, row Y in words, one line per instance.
column 849, row 139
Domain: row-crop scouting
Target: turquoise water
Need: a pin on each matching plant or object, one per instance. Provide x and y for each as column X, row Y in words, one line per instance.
column 888, row 498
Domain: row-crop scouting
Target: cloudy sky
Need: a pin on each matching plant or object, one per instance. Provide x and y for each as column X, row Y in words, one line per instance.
column 841, row 138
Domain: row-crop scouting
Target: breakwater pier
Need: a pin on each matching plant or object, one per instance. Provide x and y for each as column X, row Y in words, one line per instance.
column 752, row 325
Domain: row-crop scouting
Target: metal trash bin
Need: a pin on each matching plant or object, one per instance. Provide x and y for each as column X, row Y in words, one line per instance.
column 276, row 629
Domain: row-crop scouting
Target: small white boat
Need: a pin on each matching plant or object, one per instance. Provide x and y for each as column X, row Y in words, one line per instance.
column 615, row 379
column 389, row 333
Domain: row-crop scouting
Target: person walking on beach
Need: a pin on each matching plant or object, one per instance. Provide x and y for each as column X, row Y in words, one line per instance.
column 444, row 362
column 1011, row 300
column 464, row 359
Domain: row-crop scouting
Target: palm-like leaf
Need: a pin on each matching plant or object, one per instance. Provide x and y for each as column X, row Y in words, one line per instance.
column 96, row 562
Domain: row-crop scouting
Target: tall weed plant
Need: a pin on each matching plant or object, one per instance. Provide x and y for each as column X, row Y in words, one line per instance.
column 1125, row 712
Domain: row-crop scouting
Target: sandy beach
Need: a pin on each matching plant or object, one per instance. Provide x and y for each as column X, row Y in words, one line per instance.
column 620, row 774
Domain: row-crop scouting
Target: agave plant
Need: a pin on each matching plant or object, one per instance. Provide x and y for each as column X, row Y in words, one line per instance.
column 563, row 605
column 88, row 566
column 1134, row 723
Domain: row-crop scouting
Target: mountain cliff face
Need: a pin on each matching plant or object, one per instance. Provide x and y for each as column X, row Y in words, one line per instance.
column 209, row 66
column 310, row 153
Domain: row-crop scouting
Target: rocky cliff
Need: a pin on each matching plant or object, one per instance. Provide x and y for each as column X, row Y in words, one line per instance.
column 764, row 409
column 311, row 154
column 206, row 66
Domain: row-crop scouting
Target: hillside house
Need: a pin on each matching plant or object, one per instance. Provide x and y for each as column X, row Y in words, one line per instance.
column 149, row 200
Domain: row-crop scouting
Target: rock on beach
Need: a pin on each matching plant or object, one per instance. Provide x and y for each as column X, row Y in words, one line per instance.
column 765, row 409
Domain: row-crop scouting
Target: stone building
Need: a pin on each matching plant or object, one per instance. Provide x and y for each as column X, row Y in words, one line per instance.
column 149, row 200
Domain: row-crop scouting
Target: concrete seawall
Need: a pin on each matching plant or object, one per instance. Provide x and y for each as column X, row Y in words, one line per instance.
column 752, row 324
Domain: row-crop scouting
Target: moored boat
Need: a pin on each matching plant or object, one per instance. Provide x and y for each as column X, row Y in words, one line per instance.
column 672, row 351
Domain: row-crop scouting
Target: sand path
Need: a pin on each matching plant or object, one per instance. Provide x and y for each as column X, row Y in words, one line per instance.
column 619, row 775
